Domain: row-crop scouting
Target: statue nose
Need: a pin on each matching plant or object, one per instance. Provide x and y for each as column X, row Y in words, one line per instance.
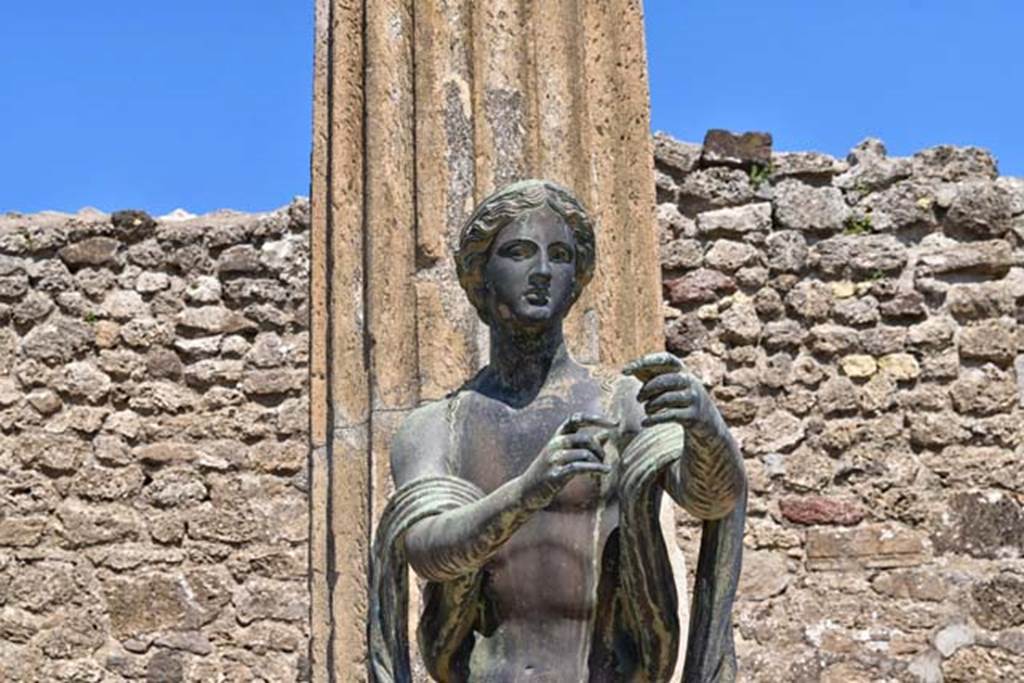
column 542, row 269
column 541, row 275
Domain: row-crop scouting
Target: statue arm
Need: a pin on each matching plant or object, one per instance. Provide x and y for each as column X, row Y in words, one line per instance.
column 460, row 541
column 709, row 478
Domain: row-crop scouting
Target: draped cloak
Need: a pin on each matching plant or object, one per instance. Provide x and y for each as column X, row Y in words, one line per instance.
column 636, row 629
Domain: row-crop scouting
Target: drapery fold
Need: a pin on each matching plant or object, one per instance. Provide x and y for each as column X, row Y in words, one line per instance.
column 449, row 608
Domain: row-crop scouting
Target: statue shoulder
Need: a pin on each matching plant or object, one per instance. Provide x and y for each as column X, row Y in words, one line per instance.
column 421, row 446
column 619, row 392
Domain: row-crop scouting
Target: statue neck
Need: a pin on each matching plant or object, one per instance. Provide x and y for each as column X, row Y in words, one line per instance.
column 522, row 360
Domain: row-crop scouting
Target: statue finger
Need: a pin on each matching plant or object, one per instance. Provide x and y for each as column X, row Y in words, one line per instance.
column 575, row 455
column 652, row 365
column 572, row 469
column 567, row 454
column 678, row 416
column 671, row 399
column 578, row 421
column 585, row 440
column 559, row 443
column 673, row 381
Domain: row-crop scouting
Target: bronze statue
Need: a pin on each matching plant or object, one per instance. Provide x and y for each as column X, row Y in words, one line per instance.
column 529, row 498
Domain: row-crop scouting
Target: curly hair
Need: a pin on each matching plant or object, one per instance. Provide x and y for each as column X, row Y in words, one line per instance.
column 503, row 207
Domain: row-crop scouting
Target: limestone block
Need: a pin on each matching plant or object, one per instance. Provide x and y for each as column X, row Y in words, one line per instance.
column 777, row 431
column 913, row 584
column 672, row 224
column 983, row 391
column 907, row 204
column 679, row 157
column 936, row 430
column 950, row 163
column 980, row 300
column 783, row 334
column 875, row 546
column 990, row 257
column 871, row 169
column 806, row 165
column 837, row 395
column 739, row 323
column 859, row 311
column 828, row 339
column 681, row 254
column 810, row 300
column 787, row 251
column 57, row 341
column 934, row 333
column 994, row 340
column 714, row 188
column 769, row 304
column 21, row 531
column 809, row 209
column 95, row 251
column 981, row 208
column 729, row 256
column 214, row 320
column 883, row 340
column 765, row 575
column 900, row 366
column 736, row 221
column 859, row 365
column 905, row 304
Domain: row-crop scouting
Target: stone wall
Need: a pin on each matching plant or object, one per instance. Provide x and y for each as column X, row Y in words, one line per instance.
column 861, row 325
column 859, row 322
column 153, row 424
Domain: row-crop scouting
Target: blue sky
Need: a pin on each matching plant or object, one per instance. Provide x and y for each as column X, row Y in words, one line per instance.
column 205, row 105
column 824, row 74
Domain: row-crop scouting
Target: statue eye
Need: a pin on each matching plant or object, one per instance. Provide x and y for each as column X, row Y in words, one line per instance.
column 560, row 253
column 517, row 250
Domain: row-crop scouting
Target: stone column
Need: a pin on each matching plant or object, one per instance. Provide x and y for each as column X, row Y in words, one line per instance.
column 420, row 110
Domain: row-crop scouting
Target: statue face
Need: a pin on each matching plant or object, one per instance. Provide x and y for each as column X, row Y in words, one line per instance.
column 531, row 270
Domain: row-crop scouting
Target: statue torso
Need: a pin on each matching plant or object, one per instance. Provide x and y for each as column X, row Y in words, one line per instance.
column 539, row 589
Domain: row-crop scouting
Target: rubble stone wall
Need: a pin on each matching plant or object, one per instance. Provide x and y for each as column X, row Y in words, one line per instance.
column 153, row 422
column 860, row 323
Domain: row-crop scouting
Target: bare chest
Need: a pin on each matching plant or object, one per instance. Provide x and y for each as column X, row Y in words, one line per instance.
column 496, row 443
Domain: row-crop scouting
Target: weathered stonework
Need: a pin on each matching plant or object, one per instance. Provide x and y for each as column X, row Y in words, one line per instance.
column 876, row 386
column 153, row 444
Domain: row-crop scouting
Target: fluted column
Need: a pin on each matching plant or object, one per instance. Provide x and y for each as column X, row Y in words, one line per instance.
column 422, row 108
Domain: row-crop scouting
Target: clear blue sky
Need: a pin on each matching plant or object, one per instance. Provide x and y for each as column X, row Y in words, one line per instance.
column 204, row 105
column 824, row 74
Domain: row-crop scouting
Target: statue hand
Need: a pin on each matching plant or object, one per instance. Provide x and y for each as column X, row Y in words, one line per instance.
column 671, row 395
column 569, row 453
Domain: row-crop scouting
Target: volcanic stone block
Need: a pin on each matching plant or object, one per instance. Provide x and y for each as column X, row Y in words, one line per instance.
column 743, row 150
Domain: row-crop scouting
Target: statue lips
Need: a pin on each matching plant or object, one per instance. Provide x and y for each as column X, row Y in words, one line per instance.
column 538, row 296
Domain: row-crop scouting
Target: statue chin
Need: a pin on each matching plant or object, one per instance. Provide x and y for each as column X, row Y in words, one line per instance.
column 528, row 314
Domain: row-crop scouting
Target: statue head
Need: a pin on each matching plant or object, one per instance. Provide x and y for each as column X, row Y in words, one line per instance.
column 542, row 210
